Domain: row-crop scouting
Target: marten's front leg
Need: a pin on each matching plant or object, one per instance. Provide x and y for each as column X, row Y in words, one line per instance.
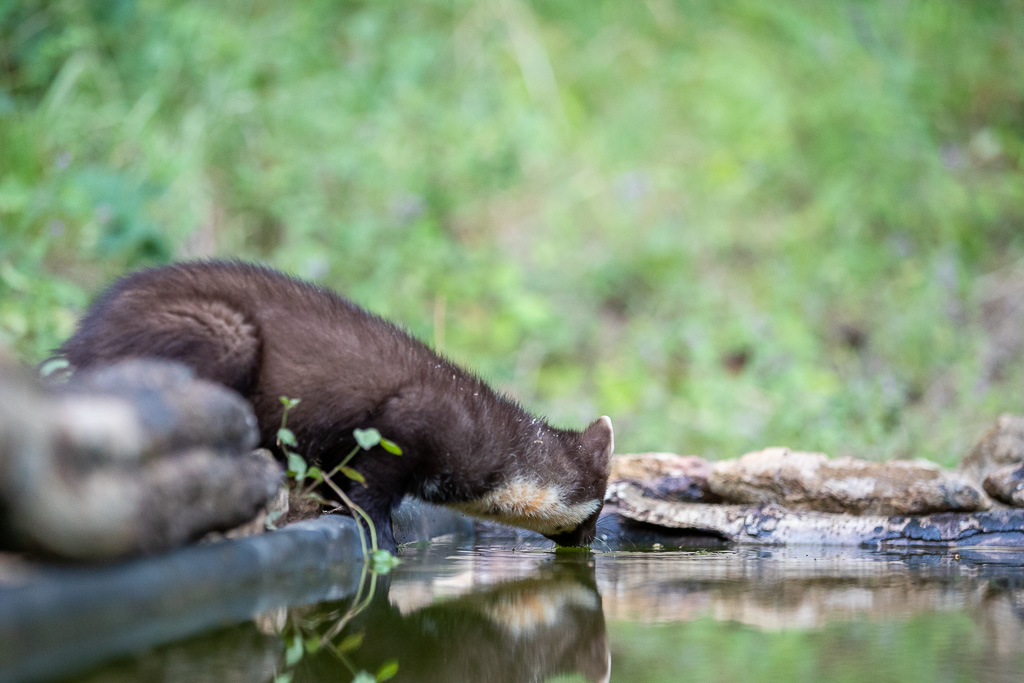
column 377, row 502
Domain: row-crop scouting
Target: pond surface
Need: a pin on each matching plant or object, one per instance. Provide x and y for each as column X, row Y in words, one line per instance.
column 520, row 613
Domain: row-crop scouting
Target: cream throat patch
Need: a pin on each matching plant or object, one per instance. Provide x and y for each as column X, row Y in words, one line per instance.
column 531, row 505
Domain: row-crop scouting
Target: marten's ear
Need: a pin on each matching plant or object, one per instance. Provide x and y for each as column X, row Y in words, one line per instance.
column 599, row 439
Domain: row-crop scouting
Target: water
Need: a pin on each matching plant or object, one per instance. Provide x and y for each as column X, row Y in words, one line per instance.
column 519, row 613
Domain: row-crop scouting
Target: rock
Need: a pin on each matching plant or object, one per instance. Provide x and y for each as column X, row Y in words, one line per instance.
column 416, row 521
column 1001, row 445
column 132, row 458
column 813, row 481
column 175, row 410
column 1007, row 485
column 769, row 524
column 645, row 466
column 681, row 478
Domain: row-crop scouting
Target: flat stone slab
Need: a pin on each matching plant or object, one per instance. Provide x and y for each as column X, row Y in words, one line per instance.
column 770, row 524
column 57, row 618
column 415, row 521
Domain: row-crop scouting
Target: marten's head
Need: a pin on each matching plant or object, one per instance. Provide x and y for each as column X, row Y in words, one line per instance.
column 556, row 486
column 590, row 453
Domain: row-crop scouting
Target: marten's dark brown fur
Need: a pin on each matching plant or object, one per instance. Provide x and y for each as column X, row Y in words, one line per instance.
column 267, row 335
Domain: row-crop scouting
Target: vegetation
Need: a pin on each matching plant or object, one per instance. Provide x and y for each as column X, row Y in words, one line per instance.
column 312, row 632
column 725, row 225
column 304, row 481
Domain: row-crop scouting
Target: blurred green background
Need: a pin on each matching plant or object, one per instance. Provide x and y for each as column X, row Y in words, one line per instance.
column 727, row 225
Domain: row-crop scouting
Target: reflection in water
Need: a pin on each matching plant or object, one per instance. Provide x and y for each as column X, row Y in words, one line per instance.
column 235, row 655
column 451, row 614
column 783, row 589
column 517, row 629
column 810, row 615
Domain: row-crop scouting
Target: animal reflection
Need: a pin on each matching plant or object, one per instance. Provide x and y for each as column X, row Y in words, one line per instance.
column 528, row 629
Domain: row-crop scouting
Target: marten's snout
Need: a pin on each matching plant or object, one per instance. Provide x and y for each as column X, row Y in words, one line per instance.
column 582, row 535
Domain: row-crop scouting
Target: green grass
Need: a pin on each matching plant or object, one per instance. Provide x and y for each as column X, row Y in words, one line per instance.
column 727, row 226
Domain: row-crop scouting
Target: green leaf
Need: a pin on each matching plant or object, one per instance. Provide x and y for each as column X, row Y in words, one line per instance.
column 349, row 643
column 382, row 561
column 287, row 437
column 284, row 678
column 367, row 438
column 315, row 474
column 364, row 677
column 312, row 644
column 53, row 365
column 297, row 466
column 290, row 403
column 294, row 652
column 390, row 446
column 387, row 670
column 353, row 475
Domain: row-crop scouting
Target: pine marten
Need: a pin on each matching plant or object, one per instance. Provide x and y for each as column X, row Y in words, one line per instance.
column 268, row 335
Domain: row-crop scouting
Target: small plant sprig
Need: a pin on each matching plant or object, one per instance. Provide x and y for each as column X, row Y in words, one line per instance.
column 304, row 639
column 299, row 471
